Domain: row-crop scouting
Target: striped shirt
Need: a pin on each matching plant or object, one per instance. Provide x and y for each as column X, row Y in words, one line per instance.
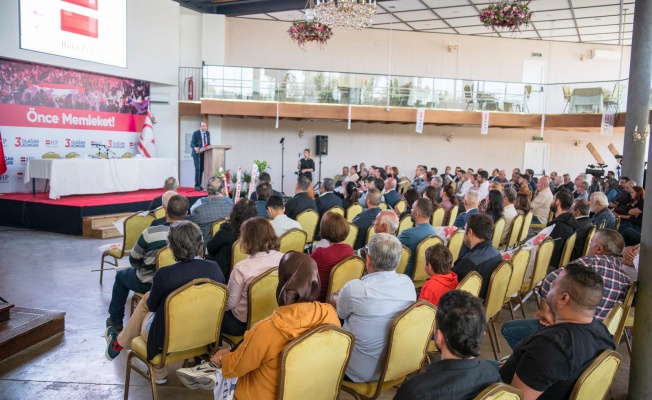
column 610, row 268
column 143, row 255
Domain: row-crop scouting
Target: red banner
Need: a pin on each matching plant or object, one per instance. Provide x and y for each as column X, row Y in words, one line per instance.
column 59, row 118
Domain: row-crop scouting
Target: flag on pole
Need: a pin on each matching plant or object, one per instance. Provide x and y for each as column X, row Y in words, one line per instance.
column 3, row 162
column 146, row 142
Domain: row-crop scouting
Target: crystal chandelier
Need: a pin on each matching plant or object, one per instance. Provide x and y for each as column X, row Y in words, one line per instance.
column 345, row 14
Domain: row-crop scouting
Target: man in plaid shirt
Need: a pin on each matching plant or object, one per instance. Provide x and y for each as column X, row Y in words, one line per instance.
column 604, row 258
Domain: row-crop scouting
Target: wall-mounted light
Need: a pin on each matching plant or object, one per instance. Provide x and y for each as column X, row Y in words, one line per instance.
column 452, row 47
column 449, row 138
column 579, row 142
column 301, row 133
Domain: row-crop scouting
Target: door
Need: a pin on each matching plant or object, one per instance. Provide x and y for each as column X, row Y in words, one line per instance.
column 535, row 73
column 536, row 158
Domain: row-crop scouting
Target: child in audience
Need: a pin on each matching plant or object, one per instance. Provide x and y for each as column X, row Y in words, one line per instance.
column 439, row 262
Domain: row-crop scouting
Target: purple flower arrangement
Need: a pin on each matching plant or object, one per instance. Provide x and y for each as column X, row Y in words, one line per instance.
column 506, row 14
column 310, row 31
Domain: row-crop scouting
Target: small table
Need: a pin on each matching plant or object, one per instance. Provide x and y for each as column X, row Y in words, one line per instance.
column 583, row 98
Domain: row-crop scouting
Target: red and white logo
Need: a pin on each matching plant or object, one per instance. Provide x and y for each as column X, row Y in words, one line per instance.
column 78, row 23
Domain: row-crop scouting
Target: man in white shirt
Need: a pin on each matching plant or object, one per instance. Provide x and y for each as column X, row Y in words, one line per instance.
column 509, row 213
column 468, row 183
column 541, row 203
column 483, row 190
column 276, row 212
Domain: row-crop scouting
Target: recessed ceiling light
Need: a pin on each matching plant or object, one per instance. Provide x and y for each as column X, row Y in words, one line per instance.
column 597, row 19
column 392, row 7
column 456, row 12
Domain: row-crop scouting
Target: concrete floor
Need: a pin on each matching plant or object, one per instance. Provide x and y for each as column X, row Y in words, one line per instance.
column 52, row 271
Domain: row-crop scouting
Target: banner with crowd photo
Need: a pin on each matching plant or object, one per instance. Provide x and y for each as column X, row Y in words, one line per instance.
column 48, row 111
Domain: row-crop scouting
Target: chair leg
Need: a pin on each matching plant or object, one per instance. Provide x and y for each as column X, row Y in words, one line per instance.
column 152, row 380
column 128, row 376
column 103, row 261
column 493, row 327
column 511, row 309
column 491, row 340
column 520, row 300
column 628, row 341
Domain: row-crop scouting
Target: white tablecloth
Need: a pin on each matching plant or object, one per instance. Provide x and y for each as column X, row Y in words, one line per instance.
column 93, row 176
column 586, row 100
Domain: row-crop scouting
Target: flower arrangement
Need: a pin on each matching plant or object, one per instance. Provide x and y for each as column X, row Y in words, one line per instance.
column 310, row 31
column 506, row 14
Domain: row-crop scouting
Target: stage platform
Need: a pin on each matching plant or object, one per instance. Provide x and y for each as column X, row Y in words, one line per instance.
column 65, row 214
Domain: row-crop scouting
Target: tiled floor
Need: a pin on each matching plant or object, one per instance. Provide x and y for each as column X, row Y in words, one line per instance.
column 51, row 271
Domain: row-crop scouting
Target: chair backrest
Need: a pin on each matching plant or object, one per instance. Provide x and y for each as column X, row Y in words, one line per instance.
column 520, row 261
column 568, row 249
column 589, row 237
column 127, row 155
column 528, row 90
column 262, row 297
column 595, row 381
column 133, row 227
column 353, row 234
column 405, row 259
column 346, row 270
column 499, row 227
column 337, row 177
column 497, row 288
column 419, row 276
column 617, row 224
column 567, row 92
column 627, row 305
column 337, row 210
column 613, row 318
column 216, row 226
column 308, row 219
column 406, row 222
column 293, row 240
column 468, row 91
column 50, row 154
column 72, row 155
column 437, row 218
column 541, row 263
column 370, row 233
column 455, row 243
column 159, row 212
column 514, row 234
column 383, row 206
column 527, row 221
column 403, row 185
column 237, row 254
column 193, row 316
column 500, row 391
column 472, row 283
column 401, row 206
column 353, row 211
column 164, row 258
column 453, row 215
column 323, row 351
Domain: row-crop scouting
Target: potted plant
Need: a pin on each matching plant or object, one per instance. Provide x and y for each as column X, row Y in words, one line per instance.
column 508, row 15
column 304, row 32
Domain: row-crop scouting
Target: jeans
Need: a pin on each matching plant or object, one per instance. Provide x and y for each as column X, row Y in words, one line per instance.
column 632, row 236
column 515, row 331
column 199, row 168
column 125, row 281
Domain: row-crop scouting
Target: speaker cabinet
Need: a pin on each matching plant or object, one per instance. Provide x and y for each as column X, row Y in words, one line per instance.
column 322, row 145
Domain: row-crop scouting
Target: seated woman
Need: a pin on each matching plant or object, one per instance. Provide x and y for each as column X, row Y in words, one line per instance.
column 495, row 205
column 351, row 195
column 448, row 201
column 260, row 242
column 431, row 194
column 633, row 218
column 256, row 361
column 185, row 241
column 522, row 204
column 411, row 195
column 334, row 229
column 219, row 247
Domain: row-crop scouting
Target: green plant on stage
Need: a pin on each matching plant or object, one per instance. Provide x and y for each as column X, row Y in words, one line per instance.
column 262, row 166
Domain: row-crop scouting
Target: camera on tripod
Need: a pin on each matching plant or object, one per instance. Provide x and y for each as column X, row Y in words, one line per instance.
column 597, row 170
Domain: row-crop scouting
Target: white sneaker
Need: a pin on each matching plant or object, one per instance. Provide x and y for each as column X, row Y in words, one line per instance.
column 159, row 381
column 200, row 376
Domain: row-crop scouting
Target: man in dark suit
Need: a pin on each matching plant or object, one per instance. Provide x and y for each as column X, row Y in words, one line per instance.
column 366, row 218
column 301, row 201
column 264, row 177
column 200, row 138
column 391, row 195
column 471, row 205
column 327, row 199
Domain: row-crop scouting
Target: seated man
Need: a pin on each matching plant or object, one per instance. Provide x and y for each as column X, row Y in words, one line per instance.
column 581, row 190
column 603, row 258
column 264, row 177
column 391, row 195
column 364, row 220
column 186, row 243
column 547, row 364
column 580, row 210
column 482, row 256
column 369, row 305
column 386, row 222
column 509, row 213
column 623, row 197
column 565, row 225
column 143, row 260
column 345, row 174
column 437, row 183
column 170, row 185
column 421, row 212
column 301, row 201
column 165, row 199
column 419, row 183
column 460, row 323
column 470, row 203
column 541, row 204
column 327, row 199
column 263, row 191
column 280, row 222
column 599, row 206
column 212, row 208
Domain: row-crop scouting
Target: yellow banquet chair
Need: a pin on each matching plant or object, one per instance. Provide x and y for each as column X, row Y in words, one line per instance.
column 627, row 321
column 164, row 258
column 193, row 316
column 159, row 213
column 405, row 223
column 383, row 206
column 261, row 299
column 216, row 226
column 499, row 227
column 500, row 391
column 133, row 226
column 400, row 206
column 613, row 318
column 405, row 259
column 353, row 234
column 520, row 261
column 527, row 222
column 494, row 301
column 540, row 270
column 595, row 381
column 352, row 267
column 515, row 232
column 127, row 155
column 455, row 243
column 568, row 250
column 293, row 240
column 337, row 210
column 472, row 283
column 419, row 276
column 589, row 237
column 323, row 351
column 353, row 211
column 409, row 335
column 237, row 254
column 308, row 219
column 453, row 215
column 437, row 218
column 370, row 233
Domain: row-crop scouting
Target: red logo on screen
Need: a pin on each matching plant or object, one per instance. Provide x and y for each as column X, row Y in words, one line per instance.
column 77, row 23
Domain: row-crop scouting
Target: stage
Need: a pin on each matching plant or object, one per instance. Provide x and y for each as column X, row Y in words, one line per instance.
column 65, row 214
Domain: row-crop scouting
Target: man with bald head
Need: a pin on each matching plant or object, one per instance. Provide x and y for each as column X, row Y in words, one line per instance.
column 364, row 220
column 391, row 195
column 421, row 212
column 164, row 203
column 541, row 203
column 386, row 222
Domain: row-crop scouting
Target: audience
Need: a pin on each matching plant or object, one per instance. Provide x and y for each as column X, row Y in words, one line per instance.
column 599, row 207
column 632, row 217
column 622, row 198
column 471, row 206
column 448, row 201
column 522, row 204
column 565, row 225
column 419, row 183
column 264, row 177
column 439, row 262
column 391, row 195
column 327, row 199
column 351, row 195
column 495, row 205
column 580, row 210
column 431, row 194
column 209, row 209
column 411, row 195
column 438, row 183
column 460, row 325
column 581, row 190
column 411, row 237
column 165, row 199
column 509, row 213
column 541, row 204
column 263, row 191
column 364, row 220
column 334, row 229
column 301, row 200
column 276, row 212
column 170, row 185
column 483, row 188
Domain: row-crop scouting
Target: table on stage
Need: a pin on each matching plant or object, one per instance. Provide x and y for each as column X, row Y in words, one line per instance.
column 93, row 176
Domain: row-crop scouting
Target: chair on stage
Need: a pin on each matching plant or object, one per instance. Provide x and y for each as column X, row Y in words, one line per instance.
column 51, row 154
column 73, row 155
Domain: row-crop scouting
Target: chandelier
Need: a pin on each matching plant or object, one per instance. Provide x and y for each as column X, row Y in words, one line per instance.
column 345, row 14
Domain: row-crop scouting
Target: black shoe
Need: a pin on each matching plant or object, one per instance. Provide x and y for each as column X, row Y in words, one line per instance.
column 117, row 325
column 199, row 188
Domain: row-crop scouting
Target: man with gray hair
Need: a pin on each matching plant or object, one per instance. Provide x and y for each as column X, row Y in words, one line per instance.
column 470, row 201
column 364, row 220
column 391, row 195
column 164, row 203
column 170, row 185
column 581, row 190
column 327, row 199
column 369, row 305
column 437, row 183
column 210, row 209
column 599, row 206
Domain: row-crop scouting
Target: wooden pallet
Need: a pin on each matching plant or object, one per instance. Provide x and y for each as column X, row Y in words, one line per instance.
column 101, row 226
column 27, row 327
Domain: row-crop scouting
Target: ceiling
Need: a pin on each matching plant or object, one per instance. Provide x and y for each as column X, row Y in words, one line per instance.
column 583, row 21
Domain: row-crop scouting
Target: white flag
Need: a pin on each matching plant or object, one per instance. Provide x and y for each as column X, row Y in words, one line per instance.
column 484, row 128
column 607, row 126
column 146, row 142
column 421, row 115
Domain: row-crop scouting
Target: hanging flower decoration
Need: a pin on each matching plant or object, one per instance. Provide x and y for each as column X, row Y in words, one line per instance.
column 303, row 32
column 506, row 14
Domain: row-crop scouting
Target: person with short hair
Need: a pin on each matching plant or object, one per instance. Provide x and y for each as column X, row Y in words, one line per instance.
column 369, row 305
column 460, row 325
column 581, row 190
column 187, row 246
column 580, row 210
column 482, row 256
column 343, row 176
column 471, row 206
column 334, row 229
column 547, row 364
column 364, row 220
column 264, row 177
column 386, row 222
column 439, row 262
column 327, row 199
column 200, row 138
column 565, row 225
column 419, row 183
column 509, row 213
column 263, row 191
column 422, row 210
column 541, row 204
column 483, row 189
column 599, row 206
column 391, row 195
column 301, row 200
column 306, row 165
column 276, row 212
column 170, row 185
column 209, row 209
column 165, row 199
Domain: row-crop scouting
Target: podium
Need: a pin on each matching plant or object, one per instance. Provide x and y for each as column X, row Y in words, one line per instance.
column 214, row 159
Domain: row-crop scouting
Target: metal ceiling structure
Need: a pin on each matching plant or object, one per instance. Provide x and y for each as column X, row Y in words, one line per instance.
column 579, row 21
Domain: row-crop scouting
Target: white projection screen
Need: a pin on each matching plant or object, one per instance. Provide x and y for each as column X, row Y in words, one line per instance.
column 90, row 30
